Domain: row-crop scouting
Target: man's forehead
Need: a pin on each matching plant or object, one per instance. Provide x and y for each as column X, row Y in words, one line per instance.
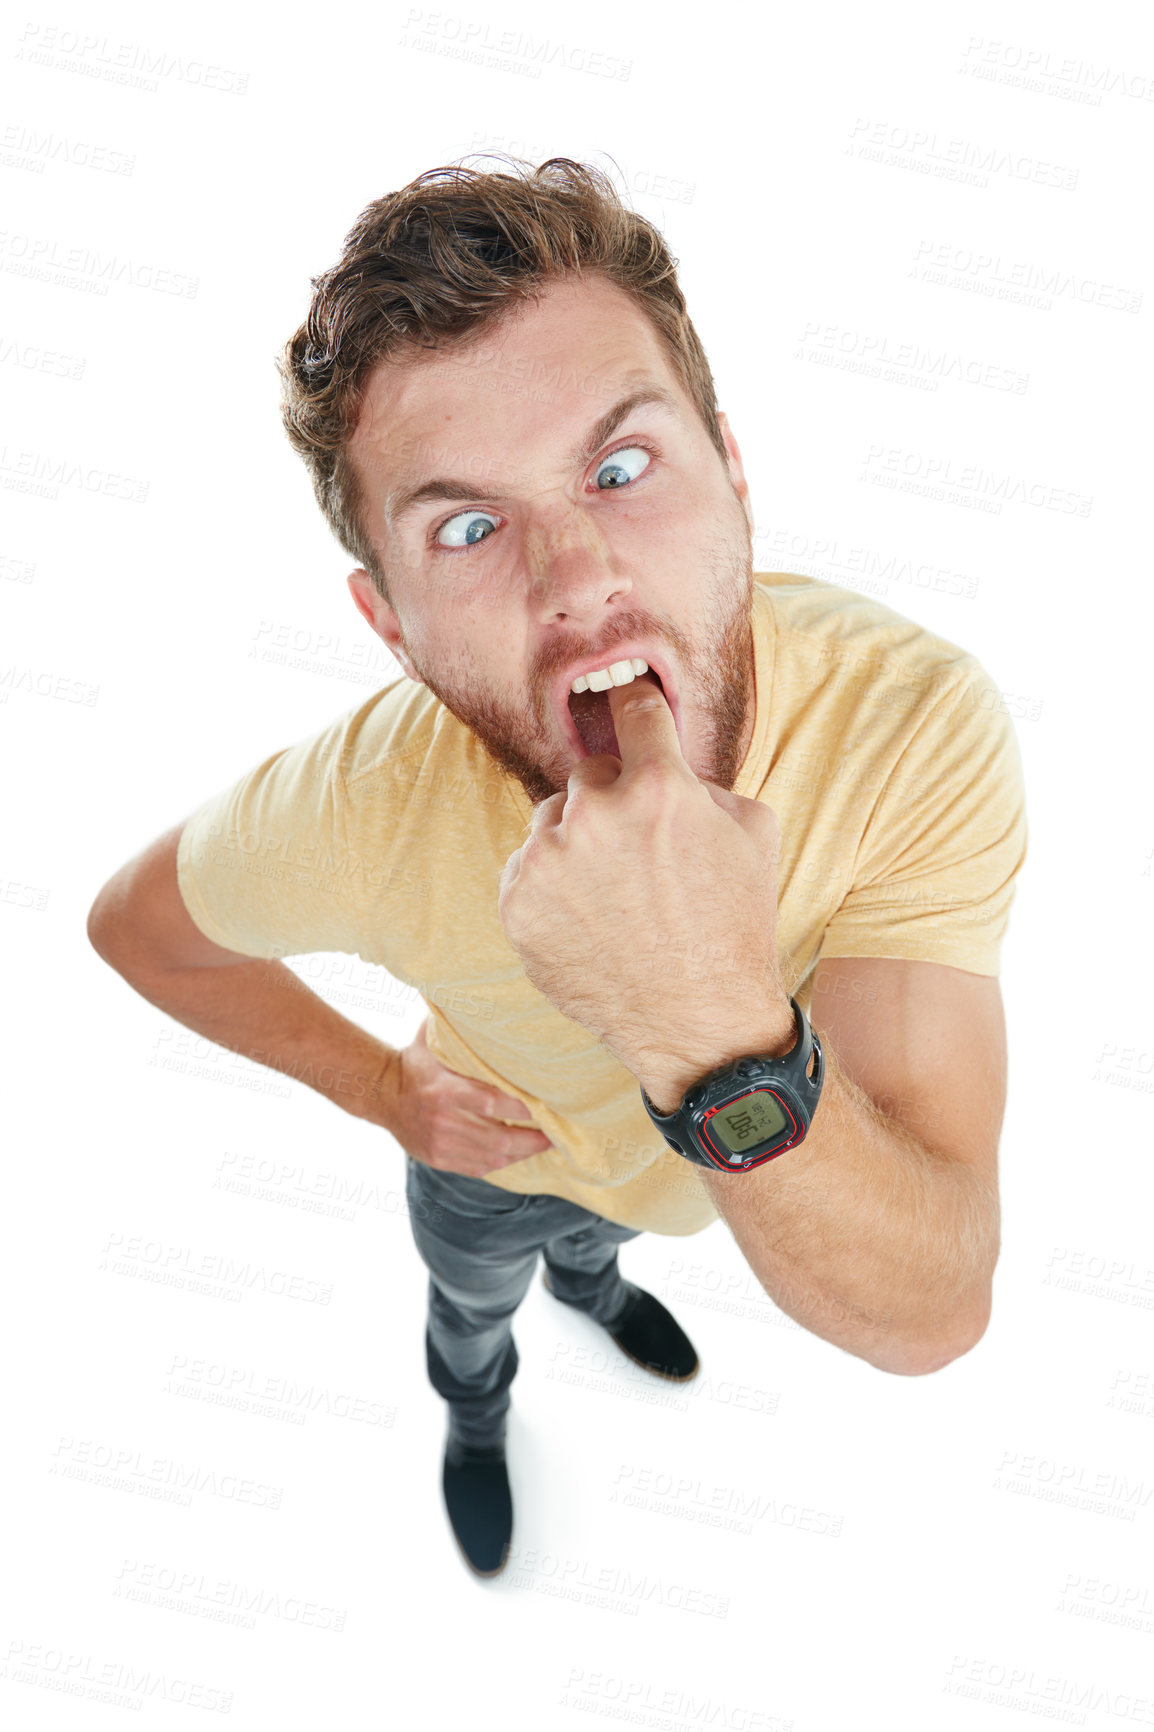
column 565, row 356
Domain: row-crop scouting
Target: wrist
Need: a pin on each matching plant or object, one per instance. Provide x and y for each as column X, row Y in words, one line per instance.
column 378, row 1101
column 666, row 1079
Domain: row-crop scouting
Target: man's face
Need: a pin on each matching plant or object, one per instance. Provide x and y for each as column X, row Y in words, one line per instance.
column 553, row 556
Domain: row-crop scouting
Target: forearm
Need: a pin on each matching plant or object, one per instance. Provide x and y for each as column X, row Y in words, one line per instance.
column 863, row 1235
column 264, row 1011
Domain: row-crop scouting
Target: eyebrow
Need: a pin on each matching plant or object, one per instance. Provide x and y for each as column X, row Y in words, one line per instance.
column 447, row 487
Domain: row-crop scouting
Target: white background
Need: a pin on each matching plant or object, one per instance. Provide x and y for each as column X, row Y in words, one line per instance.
column 817, row 1544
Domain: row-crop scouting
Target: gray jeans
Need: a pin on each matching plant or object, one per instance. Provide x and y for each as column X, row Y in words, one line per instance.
column 480, row 1245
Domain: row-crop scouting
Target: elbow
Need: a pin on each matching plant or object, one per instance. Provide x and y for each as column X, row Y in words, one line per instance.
column 105, row 929
column 917, row 1358
column 97, row 927
column 93, row 926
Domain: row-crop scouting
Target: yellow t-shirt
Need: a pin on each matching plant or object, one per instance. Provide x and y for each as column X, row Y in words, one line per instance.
column 885, row 751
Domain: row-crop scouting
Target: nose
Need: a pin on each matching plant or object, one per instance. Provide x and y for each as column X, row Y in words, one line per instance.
column 571, row 572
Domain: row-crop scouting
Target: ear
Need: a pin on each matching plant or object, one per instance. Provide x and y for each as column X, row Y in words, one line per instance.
column 381, row 617
column 736, row 470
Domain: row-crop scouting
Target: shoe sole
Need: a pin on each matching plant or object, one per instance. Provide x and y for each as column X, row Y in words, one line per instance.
column 669, row 1376
column 485, row 1575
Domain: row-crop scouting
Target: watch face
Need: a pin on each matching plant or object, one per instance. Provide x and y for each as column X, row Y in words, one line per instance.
column 742, row 1124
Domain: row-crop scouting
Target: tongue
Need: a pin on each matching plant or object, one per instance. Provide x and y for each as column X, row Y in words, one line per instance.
column 590, row 711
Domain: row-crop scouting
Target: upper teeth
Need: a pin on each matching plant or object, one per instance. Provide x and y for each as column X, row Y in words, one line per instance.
column 616, row 674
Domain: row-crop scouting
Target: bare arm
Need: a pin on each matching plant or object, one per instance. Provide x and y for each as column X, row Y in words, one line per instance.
column 141, row 927
column 881, row 1231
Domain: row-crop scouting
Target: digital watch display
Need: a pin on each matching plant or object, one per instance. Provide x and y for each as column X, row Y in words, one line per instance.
column 750, row 1111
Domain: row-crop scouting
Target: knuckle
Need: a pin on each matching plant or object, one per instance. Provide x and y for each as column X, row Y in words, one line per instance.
column 581, row 811
column 659, row 784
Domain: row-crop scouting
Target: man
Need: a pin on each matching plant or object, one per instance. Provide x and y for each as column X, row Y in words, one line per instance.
column 629, row 813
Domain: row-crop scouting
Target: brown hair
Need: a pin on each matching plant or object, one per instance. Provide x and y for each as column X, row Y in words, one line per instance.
column 446, row 258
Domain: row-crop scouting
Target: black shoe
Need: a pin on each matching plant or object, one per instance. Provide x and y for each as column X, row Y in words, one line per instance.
column 647, row 1333
column 475, row 1484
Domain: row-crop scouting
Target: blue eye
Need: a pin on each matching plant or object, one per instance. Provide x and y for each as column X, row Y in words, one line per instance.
column 476, row 519
column 470, row 539
column 614, row 462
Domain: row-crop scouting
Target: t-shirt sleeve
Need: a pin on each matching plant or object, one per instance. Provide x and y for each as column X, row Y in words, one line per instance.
column 935, row 873
column 264, row 866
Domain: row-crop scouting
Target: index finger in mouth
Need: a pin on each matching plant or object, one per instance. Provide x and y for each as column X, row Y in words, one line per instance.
column 643, row 721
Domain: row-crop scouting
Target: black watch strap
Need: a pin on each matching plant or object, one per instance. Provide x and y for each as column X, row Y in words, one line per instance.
column 782, row 1098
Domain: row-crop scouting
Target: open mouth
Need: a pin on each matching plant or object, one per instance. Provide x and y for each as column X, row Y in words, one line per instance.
column 594, row 721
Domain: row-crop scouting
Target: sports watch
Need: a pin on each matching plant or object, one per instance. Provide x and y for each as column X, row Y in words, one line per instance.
column 750, row 1110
